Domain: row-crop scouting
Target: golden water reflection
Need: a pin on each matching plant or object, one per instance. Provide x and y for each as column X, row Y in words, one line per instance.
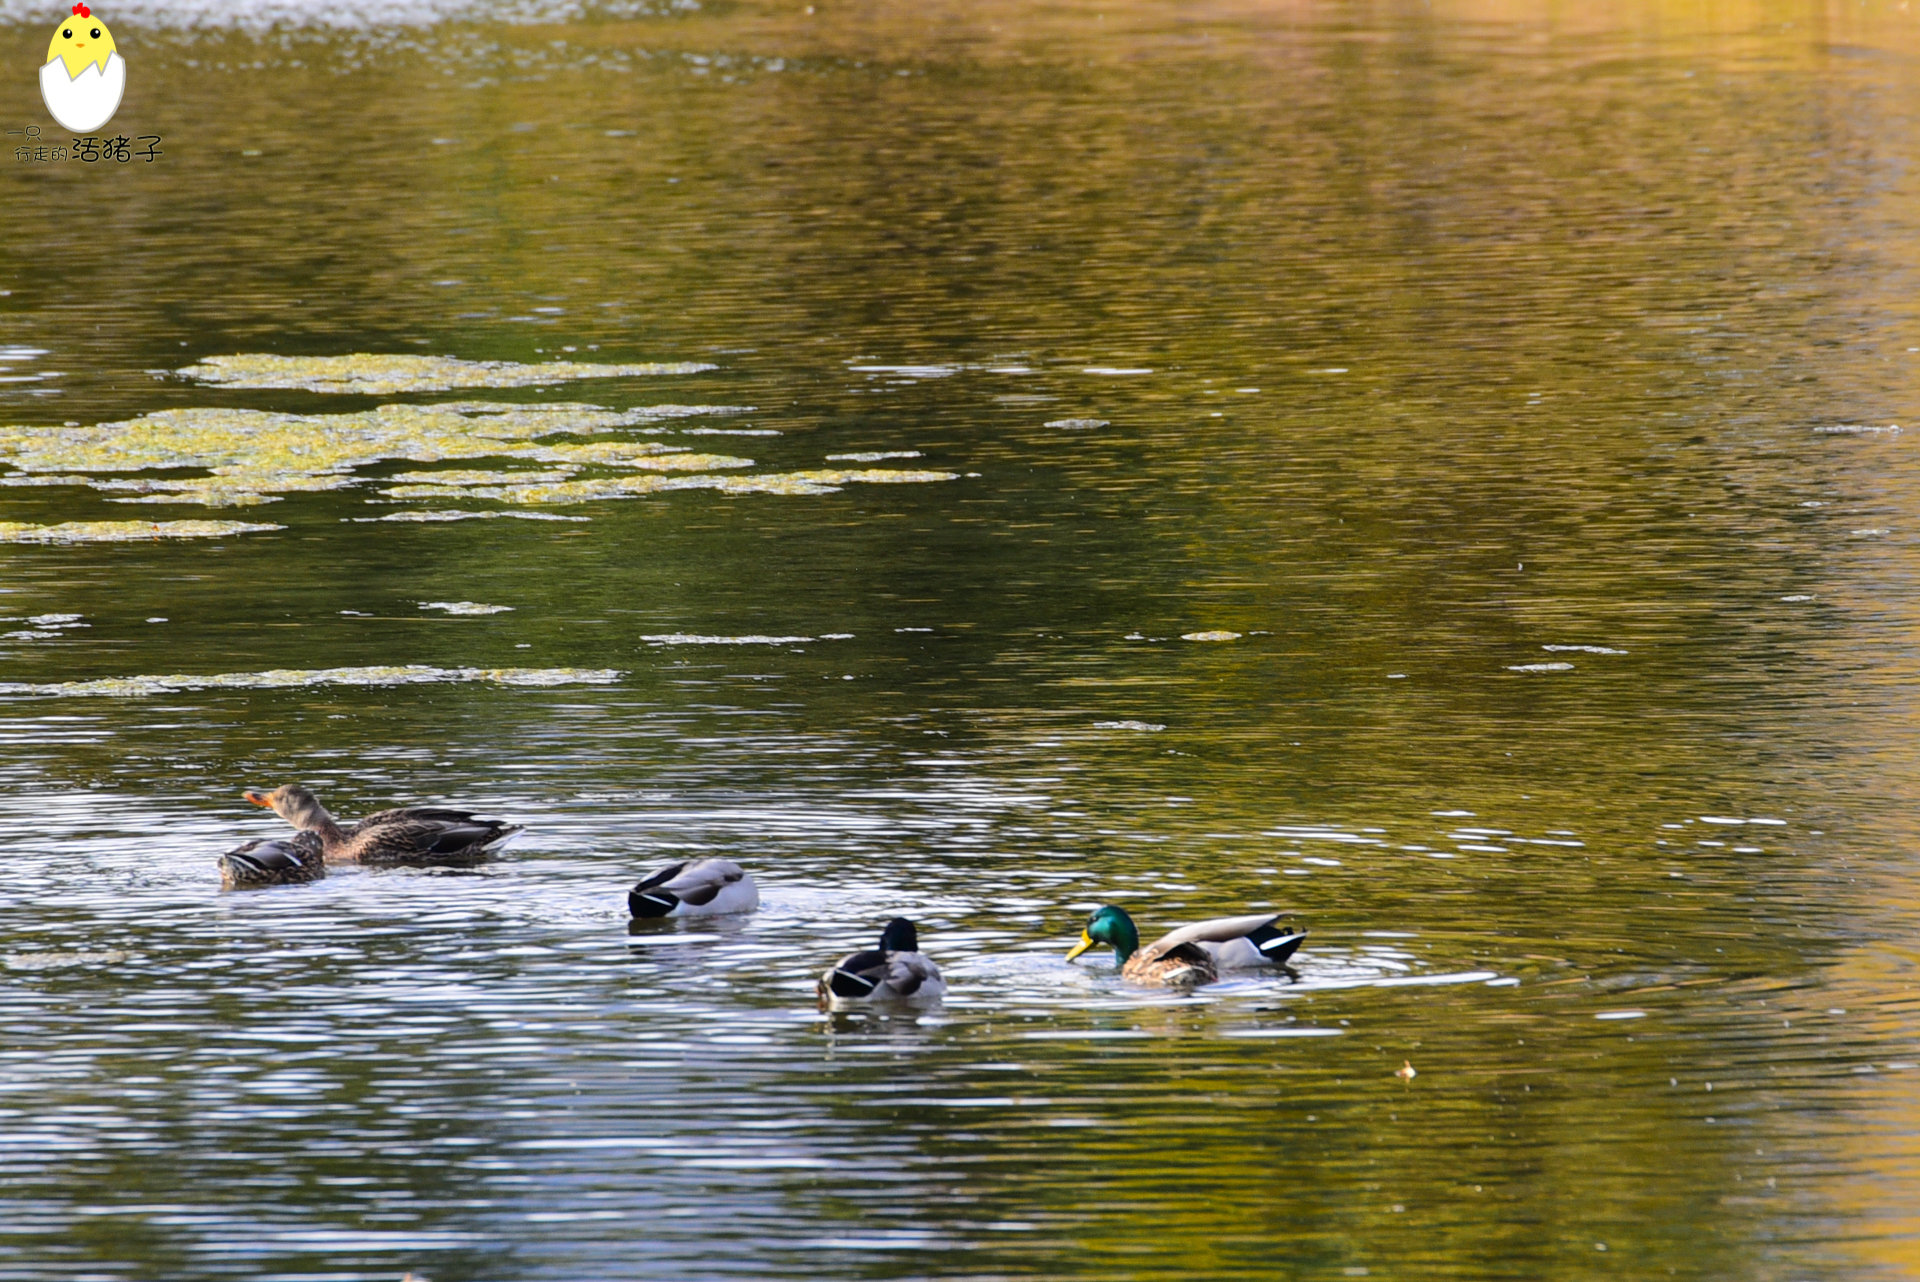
column 1431, row 469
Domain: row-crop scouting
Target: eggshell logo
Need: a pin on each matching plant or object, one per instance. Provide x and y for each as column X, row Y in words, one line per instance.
column 85, row 75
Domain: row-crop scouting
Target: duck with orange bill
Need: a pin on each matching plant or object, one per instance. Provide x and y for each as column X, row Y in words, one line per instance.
column 84, row 76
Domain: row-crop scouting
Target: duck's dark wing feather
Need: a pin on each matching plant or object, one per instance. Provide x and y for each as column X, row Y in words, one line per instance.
column 857, row 974
column 274, row 862
column 419, row 814
column 417, row 840
column 1186, row 951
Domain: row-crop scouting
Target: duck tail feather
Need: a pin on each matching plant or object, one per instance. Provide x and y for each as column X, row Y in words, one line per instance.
column 1277, row 944
column 642, row 902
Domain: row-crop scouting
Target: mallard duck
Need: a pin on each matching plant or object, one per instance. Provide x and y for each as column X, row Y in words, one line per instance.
column 1191, row 955
column 418, row 836
column 273, row 862
column 706, row 888
column 895, row 972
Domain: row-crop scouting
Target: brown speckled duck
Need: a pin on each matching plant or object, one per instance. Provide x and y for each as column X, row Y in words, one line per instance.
column 416, row 836
column 273, row 862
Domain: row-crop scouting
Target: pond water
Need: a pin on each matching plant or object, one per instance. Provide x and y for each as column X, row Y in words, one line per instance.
column 1433, row 469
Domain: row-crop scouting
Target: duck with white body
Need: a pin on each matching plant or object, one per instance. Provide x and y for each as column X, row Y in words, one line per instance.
column 698, row 888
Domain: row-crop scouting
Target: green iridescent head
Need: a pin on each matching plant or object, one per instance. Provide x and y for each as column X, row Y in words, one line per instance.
column 1109, row 925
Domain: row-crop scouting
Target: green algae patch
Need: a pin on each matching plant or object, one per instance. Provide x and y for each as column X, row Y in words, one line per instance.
column 369, row 374
column 298, row 678
column 28, row 478
column 602, row 453
column 456, row 514
column 124, row 531
column 221, row 490
column 255, row 453
column 471, row 476
column 569, row 491
column 824, row 481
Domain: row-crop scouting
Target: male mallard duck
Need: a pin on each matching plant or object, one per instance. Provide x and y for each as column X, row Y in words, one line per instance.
column 1191, row 955
column 418, row 836
column 896, row 971
column 273, row 863
column 707, row 888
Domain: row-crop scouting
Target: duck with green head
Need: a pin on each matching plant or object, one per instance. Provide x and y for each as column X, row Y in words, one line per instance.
column 1192, row 955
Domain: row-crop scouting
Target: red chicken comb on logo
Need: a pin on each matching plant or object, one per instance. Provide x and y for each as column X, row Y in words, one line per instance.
column 81, row 11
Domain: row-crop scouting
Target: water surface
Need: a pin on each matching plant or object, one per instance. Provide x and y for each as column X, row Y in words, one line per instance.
column 1513, row 399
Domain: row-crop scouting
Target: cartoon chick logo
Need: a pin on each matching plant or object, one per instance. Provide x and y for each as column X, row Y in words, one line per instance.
column 85, row 75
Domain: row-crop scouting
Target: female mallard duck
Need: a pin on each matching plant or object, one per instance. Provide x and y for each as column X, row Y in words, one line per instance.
column 273, row 863
column 895, row 972
column 419, row 836
column 1191, row 955
column 706, row 888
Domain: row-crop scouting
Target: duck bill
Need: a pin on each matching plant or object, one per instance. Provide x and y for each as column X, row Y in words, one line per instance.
column 258, row 797
column 1086, row 942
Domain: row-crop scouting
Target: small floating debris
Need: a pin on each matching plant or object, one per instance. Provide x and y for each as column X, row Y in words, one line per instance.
column 1540, row 667
column 472, row 476
column 465, row 607
column 872, row 456
column 125, row 531
column 288, row 678
column 1854, row 429
column 1406, row 1072
column 1080, row 424
column 52, row 959
column 370, row 374
column 909, row 371
column 1582, row 649
column 1115, row 369
column 1798, row 596
column 692, row 638
column 820, row 481
column 1148, row 727
column 1210, row 636
column 46, row 627
column 29, row 478
column 456, row 514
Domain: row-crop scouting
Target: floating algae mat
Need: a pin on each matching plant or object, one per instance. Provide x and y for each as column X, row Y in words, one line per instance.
column 483, row 487
column 124, row 531
column 300, row 678
column 373, row 375
column 255, row 453
column 821, row 481
column 252, row 456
